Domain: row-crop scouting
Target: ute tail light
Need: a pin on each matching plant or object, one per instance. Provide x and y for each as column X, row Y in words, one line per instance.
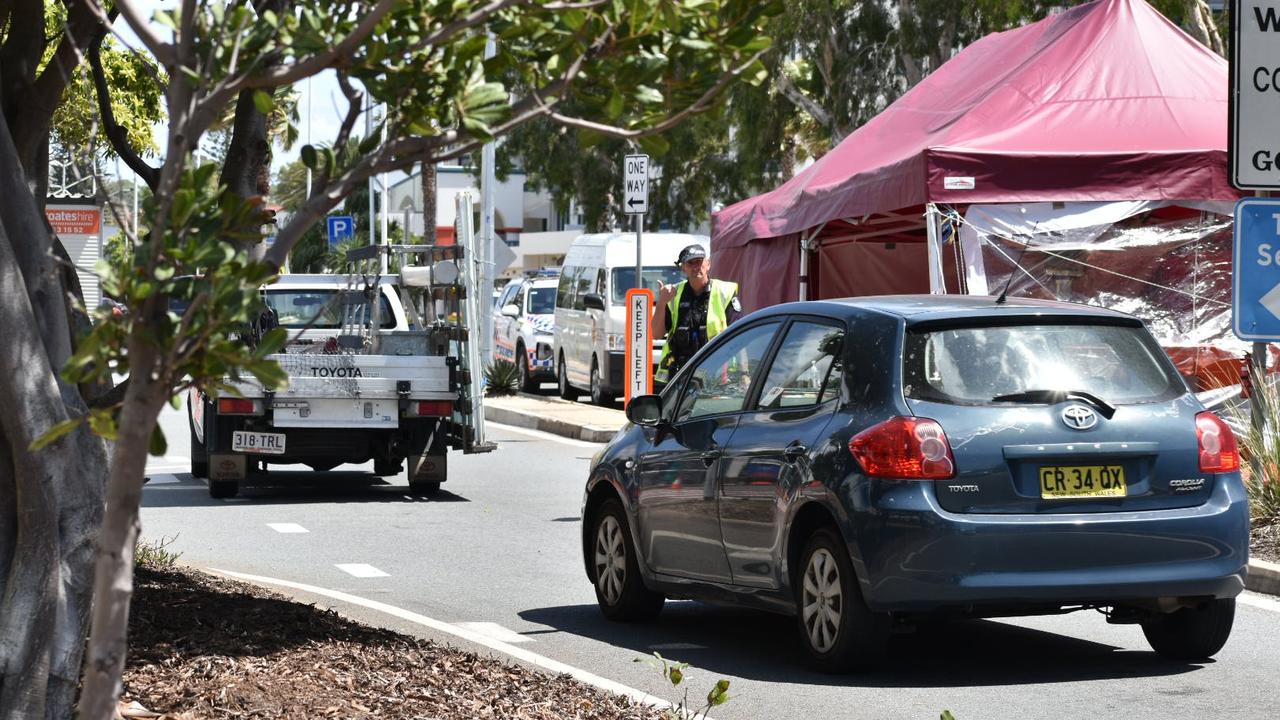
column 905, row 448
column 431, row 408
column 237, row 406
column 1218, row 451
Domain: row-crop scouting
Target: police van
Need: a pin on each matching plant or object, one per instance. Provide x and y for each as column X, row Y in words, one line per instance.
column 591, row 313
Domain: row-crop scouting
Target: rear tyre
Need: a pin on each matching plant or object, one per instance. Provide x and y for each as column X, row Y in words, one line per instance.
column 525, row 377
column 598, row 394
column 615, row 569
column 199, row 454
column 1192, row 633
column 567, row 391
column 838, row 631
column 224, row 488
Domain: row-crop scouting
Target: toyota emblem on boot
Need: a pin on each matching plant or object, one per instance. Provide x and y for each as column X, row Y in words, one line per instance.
column 1079, row 417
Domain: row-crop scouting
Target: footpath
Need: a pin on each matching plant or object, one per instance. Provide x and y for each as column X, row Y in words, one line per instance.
column 583, row 421
column 578, row 420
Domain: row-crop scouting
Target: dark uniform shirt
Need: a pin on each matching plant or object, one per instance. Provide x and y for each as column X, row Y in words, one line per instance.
column 693, row 316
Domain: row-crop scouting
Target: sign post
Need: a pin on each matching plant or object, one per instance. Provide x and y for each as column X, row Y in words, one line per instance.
column 341, row 228
column 635, row 201
column 1253, row 162
column 639, row 343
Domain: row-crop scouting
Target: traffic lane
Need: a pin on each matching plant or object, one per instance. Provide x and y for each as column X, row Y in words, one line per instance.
column 511, row 556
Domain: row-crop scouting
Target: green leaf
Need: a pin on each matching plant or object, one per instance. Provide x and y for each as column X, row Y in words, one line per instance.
column 54, row 433
column 308, row 155
column 163, row 273
column 675, row 675
column 613, row 108
column 269, row 374
column 262, row 100
column 719, row 694
column 158, row 443
column 271, row 342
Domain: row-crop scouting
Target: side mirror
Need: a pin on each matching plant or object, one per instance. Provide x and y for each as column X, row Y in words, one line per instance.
column 511, row 311
column 645, row 410
column 593, row 301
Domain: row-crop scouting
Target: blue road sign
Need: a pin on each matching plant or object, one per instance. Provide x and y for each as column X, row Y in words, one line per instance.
column 1255, row 286
column 341, row 228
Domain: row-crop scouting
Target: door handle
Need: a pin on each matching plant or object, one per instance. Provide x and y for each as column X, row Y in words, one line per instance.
column 709, row 457
column 794, row 452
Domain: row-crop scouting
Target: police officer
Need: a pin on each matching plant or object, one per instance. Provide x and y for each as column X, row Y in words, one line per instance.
column 691, row 312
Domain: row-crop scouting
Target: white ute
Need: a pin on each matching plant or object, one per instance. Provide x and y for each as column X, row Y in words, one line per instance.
column 379, row 367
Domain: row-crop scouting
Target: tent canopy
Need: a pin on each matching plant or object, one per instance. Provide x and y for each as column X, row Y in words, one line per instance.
column 1105, row 101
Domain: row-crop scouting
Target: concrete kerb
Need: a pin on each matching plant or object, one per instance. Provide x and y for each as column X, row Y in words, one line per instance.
column 1263, row 577
column 553, row 415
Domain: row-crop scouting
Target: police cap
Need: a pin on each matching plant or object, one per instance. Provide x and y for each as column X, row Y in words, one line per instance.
column 692, row 252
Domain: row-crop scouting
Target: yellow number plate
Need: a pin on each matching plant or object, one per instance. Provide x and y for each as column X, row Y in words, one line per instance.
column 1082, row 481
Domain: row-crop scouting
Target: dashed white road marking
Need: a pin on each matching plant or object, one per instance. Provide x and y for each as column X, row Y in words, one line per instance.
column 287, row 528
column 495, row 631
column 360, row 570
column 462, row 633
column 543, row 435
column 1258, row 600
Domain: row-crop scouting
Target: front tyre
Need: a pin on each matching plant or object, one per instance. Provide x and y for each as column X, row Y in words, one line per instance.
column 1196, row 633
column 615, row 569
column 838, row 631
column 523, row 373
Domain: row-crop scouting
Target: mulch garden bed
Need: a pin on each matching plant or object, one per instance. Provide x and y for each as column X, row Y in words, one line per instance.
column 205, row 647
column 1264, row 543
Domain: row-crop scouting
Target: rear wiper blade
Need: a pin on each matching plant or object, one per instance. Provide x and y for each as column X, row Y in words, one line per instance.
column 1103, row 406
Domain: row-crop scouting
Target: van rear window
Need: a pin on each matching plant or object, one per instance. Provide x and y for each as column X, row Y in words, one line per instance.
column 976, row 365
column 325, row 309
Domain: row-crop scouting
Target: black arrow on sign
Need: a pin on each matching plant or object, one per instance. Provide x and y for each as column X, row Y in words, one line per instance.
column 634, row 202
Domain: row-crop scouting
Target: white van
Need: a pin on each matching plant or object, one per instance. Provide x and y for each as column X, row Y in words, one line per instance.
column 591, row 311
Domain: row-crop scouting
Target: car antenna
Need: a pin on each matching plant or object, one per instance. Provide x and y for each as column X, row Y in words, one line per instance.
column 1004, row 294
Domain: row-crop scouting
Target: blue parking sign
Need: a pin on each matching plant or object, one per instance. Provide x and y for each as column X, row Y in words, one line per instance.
column 341, row 228
column 1255, row 287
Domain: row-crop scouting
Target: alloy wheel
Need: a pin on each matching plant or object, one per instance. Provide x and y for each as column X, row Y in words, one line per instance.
column 821, row 600
column 611, row 559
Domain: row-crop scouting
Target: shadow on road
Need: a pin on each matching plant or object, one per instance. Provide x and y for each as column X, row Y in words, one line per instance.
column 285, row 488
column 763, row 646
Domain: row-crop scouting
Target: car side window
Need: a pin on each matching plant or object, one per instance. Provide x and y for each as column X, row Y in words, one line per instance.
column 801, row 372
column 564, row 291
column 721, row 382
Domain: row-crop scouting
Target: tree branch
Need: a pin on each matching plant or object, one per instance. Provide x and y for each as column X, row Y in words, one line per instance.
column 164, row 52
column 802, row 101
column 116, row 134
column 703, row 103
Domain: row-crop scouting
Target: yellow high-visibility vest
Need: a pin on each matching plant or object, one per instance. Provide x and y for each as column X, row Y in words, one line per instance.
column 722, row 293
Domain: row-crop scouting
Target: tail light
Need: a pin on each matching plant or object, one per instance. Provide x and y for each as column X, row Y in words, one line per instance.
column 431, row 408
column 236, row 406
column 1218, row 451
column 907, row 448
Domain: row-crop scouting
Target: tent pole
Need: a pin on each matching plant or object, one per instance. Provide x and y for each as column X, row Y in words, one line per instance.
column 937, row 285
column 804, row 268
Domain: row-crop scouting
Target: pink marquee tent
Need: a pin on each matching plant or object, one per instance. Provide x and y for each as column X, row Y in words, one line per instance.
column 1106, row 101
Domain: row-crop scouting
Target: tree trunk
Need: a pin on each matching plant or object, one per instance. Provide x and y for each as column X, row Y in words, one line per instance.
column 113, row 574
column 429, row 193
column 1200, row 25
column 248, row 157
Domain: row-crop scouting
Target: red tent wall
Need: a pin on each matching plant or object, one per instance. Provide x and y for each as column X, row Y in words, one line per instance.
column 767, row 271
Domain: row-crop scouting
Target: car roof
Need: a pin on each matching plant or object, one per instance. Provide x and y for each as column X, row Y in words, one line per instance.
column 914, row 309
column 312, row 281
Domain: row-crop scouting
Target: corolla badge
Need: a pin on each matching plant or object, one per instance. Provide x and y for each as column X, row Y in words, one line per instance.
column 1079, row 417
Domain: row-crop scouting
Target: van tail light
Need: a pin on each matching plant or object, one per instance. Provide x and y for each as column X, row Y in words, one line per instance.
column 431, row 408
column 1218, row 451
column 905, row 448
column 236, row 406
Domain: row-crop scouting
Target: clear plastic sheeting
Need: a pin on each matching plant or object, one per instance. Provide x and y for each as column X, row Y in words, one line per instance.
column 1169, row 265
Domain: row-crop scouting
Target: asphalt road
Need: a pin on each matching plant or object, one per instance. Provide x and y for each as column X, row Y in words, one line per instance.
column 497, row 553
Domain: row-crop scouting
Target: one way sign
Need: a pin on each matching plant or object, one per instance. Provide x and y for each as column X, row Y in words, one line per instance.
column 635, row 173
column 1255, row 292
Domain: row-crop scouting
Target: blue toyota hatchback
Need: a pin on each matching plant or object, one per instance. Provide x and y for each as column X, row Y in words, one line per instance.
column 870, row 462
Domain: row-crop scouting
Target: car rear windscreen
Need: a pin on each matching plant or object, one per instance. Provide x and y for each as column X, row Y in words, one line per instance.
column 325, row 309
column 975, row 365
